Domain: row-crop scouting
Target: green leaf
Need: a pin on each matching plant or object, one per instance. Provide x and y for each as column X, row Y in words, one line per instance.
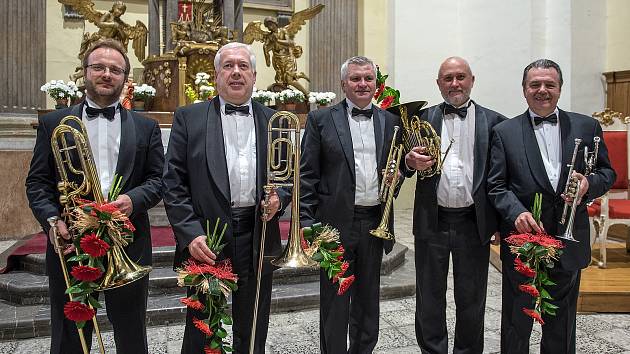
column 94, row 302
column 215, row 344
column 75, row 289
column 548, row 282
column 79, row 258
column 80, row 325
column 318, row 257
column 221, row 333
column 545, row 294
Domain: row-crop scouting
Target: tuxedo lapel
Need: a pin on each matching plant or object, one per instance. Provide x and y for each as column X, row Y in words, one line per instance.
column 378, row 118
column 532, row 151
column 215, row 150
column 260, row 124
column 480, row 147
column 340, row 120
column 567, row 139
column 127, row 148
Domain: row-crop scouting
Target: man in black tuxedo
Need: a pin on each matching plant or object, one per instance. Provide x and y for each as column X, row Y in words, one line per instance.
column 216, row 168
column 343, row 151
column 123, row 143
column 529, row 155
column 453, row 216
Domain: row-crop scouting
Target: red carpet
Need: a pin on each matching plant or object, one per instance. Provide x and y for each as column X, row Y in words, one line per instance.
column 161, row 236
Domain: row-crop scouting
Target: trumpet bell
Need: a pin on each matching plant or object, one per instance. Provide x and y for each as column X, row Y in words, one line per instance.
column 121, row 270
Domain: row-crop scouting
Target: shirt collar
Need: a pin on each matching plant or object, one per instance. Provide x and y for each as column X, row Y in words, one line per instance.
column 222, row 102
column 532, row 114
column 93, row 104
column 352, row 105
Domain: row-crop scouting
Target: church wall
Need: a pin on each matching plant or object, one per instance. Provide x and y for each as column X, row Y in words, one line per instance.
column 618, row 43
column 373, row 32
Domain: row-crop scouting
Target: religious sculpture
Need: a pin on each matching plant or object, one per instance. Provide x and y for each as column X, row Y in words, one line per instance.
column 109, row 26
column 280, row 48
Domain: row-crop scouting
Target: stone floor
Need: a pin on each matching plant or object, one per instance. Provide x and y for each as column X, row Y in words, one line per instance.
column 297, row 332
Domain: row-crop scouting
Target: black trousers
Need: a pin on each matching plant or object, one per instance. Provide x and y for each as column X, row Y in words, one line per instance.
column 358, row 309
column 558, row 333
column 126, row 310
column 243, row 298
column 457, row 235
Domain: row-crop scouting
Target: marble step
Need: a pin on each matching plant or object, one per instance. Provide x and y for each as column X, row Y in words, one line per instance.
column 18, row 321
column 29, row 288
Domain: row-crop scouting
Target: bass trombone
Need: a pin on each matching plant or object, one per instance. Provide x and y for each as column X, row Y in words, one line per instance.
column 73, row 158
column 283, row 170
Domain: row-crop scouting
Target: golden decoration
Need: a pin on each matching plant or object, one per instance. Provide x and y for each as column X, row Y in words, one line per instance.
column 607, row 117
column 280, row 42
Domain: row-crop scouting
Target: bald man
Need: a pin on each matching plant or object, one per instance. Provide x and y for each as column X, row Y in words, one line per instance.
column 453, row 216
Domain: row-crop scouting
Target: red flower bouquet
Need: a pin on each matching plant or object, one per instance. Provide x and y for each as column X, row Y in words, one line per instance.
column 535, row 255
column 322, row 244
column 97, row 226
column 213, row 285
column 385, row 96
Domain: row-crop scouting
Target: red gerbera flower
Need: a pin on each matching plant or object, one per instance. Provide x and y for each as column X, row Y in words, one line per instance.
column 107, row 208
column 78, row 312
column 379, row 91
column 344, row 284
column 387, row 101
column 221, row 270
column 93, row 245
column 208, row 350
column 129, row 226
column 547, row 241
column 193, row 304
column 344, row 268
column 86, row 273
column 523, row 268
column 529, row 289
column 534, row 314
column 519, row 239
column 203, row 327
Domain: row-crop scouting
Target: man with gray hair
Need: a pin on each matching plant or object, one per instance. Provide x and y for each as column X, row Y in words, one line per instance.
column 216, row 168
column 343, row 149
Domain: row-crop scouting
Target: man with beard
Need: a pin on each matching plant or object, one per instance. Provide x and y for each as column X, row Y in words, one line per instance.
column 453, row 216
column 529, row 155
column 343, row 150
column 216, row 168
column 123, row 143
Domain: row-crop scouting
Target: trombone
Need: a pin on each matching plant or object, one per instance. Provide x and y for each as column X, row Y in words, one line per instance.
column 283, row 170
column 64, row 140
column 387, row 190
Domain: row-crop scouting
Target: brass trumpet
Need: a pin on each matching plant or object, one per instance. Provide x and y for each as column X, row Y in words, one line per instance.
column 418, row 132
column 571, row 189
column 387, row 190
column 283, row 164
column 65, row 140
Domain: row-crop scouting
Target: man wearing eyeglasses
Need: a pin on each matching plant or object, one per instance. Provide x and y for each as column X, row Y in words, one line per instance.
column 123, row 143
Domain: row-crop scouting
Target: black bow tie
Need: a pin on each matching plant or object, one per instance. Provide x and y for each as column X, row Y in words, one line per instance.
column 553, row 119
column 461, row 111
column 231, row 109
column 107, row 112
column 361, row 112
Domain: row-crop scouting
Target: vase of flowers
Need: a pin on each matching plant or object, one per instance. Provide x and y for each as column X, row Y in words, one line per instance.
column 322, row 99
column 61, row 92
column 142, row 94
column 201, row 90
column 290, row 98
column 263, row 97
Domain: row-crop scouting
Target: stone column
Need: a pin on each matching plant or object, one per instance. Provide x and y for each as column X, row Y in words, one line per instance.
column 170, row 15
column 333, row 38
column 154, row 27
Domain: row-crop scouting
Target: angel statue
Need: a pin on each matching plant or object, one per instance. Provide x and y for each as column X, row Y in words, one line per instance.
column 280, row 42
column 109, row 26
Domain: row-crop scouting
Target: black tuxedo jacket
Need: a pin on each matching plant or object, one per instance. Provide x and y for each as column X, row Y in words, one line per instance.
column 140, row 163
column 328, row 179
column 517, row 173
column 196, row 182
column 425, row 218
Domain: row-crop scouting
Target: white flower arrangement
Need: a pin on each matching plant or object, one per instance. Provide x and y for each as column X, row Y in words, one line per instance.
column 57, row 89
column 201, row 91
column 321, row 98
column 262, row 96
column 143, row 92
column 290, row 96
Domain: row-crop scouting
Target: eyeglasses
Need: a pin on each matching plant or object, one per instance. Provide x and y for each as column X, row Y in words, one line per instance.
column 100, row 68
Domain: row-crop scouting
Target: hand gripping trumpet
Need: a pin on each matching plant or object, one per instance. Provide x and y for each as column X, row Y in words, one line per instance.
column 571, row 189
column 389, row 183
column 283, row 165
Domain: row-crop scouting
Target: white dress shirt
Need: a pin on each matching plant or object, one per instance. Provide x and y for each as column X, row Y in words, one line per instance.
column 365, row 160
column 239, row 139
column 548, row 138
column 104, row 138
column 456, row 181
